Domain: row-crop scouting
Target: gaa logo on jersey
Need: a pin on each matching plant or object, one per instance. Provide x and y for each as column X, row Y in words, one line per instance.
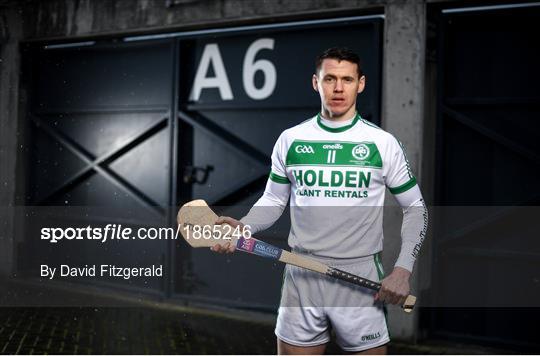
column 360, row 152
column 304, row 149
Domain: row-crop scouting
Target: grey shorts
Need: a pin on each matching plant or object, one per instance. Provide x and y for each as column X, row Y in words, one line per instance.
column 312, row 303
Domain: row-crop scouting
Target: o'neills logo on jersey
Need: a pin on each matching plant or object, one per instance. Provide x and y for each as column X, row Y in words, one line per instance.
column 304, row 149
column 335, row 146
column 360, row 152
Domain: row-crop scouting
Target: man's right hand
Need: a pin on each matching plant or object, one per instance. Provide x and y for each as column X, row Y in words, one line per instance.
column 227, row 247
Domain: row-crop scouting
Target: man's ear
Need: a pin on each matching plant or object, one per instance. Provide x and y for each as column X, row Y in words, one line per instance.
column 315, row 82
column 361, row 84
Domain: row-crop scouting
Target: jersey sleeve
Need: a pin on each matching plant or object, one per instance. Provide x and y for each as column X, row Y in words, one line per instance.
column 278, row 172
column 413, row 228
column 402, row 184
column 398, row 176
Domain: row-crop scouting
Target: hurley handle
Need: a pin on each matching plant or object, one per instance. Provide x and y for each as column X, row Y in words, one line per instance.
column 407, row 306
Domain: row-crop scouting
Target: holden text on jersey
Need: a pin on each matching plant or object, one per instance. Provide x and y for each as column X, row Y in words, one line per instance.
column 334, row 179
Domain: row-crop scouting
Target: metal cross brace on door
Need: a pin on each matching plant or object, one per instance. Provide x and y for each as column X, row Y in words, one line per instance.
column 234, row 142
column 99, row 164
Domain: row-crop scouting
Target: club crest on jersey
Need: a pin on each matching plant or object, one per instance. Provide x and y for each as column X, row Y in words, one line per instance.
column 360, row 152
column 304, row 149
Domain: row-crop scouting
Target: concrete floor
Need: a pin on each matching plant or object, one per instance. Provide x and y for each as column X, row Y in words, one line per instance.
column 125, row 325
column 131, row 330
column 127, row 331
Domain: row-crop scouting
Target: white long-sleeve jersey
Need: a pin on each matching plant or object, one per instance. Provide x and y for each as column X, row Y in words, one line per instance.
column 336, row 179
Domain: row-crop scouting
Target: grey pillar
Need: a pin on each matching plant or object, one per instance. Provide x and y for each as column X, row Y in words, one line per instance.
column 402, row 115
column 10, row 34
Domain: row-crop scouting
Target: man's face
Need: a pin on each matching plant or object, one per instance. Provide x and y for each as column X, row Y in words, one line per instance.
column 338, row 85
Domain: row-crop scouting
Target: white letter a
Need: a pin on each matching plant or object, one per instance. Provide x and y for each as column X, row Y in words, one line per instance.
column 212, row 56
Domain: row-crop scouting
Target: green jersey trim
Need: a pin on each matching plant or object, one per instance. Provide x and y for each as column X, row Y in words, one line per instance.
column 378, row 264
column 380, row 272
column 404, row 187
column 278, row 179
column 370, row 124
column 330, row 165
column 409, row 172
column 337, row 129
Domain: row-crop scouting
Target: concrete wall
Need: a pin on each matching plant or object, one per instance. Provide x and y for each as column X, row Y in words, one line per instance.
column 61, row 18
column 402, row 115
column 10, row 36
column 403, row 71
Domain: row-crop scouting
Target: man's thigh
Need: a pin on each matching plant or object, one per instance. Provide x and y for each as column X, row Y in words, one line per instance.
column 302, row 326
column 381, row 350
column 284, row 348
column 358, row 328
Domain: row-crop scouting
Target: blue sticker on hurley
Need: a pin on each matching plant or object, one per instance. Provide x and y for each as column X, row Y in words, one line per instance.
column 266, row 250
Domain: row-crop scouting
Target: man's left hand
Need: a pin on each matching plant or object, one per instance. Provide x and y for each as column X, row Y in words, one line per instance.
column 395, row 288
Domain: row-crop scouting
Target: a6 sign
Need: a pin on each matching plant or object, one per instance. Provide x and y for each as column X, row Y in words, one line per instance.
column 211, row 56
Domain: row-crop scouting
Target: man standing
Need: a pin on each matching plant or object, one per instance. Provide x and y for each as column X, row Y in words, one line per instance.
column 335, row 167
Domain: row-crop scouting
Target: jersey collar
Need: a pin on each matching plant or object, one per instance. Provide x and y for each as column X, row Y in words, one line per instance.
column 337, row 129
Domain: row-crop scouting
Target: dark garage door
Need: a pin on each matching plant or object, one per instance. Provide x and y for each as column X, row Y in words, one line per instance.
column 100, row 138
column 487, row 252
column 103, row 136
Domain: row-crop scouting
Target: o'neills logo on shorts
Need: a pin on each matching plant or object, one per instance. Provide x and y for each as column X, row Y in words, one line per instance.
column 371, row 337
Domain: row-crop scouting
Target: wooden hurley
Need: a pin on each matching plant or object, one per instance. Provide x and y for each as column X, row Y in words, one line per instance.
column 197, row 225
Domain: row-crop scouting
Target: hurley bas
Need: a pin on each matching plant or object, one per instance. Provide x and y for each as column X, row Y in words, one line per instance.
column 101, row 271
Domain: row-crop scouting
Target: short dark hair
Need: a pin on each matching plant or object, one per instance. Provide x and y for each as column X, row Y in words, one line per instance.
column 341, row 54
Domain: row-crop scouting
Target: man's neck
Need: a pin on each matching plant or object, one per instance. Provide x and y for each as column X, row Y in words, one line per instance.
column 345, row 117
